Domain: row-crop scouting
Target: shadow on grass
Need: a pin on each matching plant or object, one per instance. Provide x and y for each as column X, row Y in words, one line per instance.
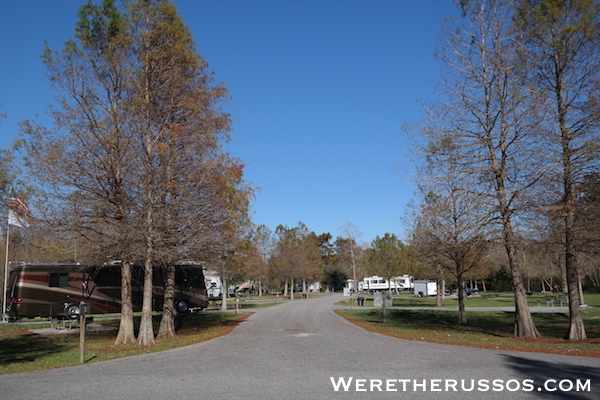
column 28, row 348
column 489, row 323
column 558, row 376
column 188, row 323
column 495, row 323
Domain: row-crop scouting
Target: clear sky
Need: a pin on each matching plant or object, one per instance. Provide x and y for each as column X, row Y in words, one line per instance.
column 320, row 91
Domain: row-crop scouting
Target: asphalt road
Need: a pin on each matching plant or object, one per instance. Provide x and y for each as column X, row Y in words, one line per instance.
column 302, row 350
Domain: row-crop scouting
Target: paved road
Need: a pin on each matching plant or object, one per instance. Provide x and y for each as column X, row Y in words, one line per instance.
column 292, row 351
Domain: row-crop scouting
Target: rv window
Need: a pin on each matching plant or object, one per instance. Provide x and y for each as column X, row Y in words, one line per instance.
column 58, row 279
column 108, row 276
column 190, row 277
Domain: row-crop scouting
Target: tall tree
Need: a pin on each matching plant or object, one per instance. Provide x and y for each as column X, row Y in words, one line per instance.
column 349, row 254
column 261, row 240
column 83, row 164
column 451, row 232
column 186, row 179
column 561, row 39
column 388, row 257
column 484, row 117
column 296, row 253
column 138, row 147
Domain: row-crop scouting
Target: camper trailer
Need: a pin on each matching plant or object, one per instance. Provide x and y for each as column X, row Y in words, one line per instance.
column 214, row 285
column 56, row 290
column 377, row 283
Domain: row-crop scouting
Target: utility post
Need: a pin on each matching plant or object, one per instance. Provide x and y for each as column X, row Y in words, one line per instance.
column 82, row 312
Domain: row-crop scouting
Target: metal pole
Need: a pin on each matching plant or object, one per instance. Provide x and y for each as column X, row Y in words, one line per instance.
column 82, row 332
column 5, row 274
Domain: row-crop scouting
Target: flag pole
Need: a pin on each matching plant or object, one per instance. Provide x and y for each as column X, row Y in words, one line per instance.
column 6, row 264
column 5, row 273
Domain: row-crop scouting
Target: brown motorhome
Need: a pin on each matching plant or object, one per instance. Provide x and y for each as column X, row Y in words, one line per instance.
column 55, row 290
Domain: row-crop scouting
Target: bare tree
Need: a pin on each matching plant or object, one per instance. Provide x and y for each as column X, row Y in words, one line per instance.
column 261, row 240
column 450, row 232
column 561, row 42
column 484, row 120
column 349, row 252
column 387, row 257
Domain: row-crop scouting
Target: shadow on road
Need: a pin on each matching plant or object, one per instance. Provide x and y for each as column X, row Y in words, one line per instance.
column 563, row 381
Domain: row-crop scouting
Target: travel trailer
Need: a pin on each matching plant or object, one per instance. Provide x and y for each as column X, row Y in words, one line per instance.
column 55, row 290
column 377, row 283
column 214, row 285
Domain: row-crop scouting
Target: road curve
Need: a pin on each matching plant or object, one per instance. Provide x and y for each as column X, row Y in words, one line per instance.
column 303, row 350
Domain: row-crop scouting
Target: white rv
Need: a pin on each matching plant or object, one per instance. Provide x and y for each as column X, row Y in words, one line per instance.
column 214, row 285
column 376, row 283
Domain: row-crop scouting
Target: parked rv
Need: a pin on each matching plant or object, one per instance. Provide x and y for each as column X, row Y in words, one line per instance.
column 377, row 283
column 214, row 286
column 55, row 290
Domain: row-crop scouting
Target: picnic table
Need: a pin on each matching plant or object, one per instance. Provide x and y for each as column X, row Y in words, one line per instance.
column 551, row 299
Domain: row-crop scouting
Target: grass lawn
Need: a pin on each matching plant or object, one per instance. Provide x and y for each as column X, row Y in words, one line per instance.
column 491, row 329
column 21, row 350
column 500, row 299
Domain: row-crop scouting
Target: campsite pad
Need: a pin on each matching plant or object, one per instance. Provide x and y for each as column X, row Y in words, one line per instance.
column 73, row 329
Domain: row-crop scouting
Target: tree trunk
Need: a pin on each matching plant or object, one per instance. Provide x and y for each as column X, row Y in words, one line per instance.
column 581, row 298
column 563, row 276
column 524, row 325
column 126, row 334
column 443, row 289
column 167, row 322
column 576, row 326
column 462, row 313
column 438, row 296
column 146, row 333
column 224, row 294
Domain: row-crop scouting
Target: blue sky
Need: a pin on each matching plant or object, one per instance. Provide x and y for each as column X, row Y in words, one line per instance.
column 320, row 91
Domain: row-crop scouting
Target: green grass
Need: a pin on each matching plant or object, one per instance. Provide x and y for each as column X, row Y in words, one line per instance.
column 504, row 299
column 492, row 329
column 21, row 350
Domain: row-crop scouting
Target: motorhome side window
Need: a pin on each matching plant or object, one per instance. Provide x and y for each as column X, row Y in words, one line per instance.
column 195, row 279
column 58, row 279
column 108, row 276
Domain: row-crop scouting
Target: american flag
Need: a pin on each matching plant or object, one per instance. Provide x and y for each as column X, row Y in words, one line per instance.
column 17, row 210
column 18, row 205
